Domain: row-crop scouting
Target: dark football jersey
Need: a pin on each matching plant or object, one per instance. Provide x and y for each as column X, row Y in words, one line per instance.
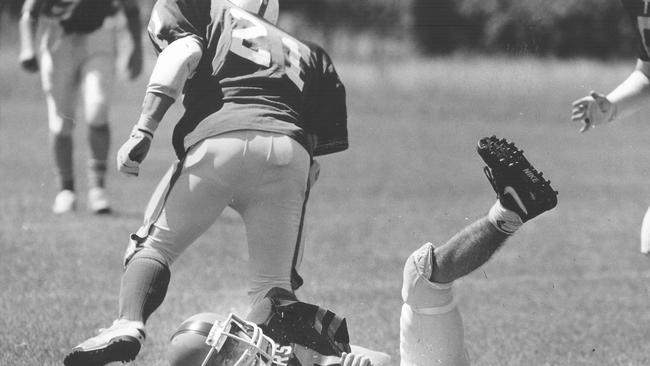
column 80, row 15
column 252, row 76
column 639, row 12
column 306, row 334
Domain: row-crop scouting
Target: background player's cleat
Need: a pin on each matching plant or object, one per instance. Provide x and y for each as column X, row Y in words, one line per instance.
column 519, row 186
column 65, row 201
column 121, row 342
column 98, row 201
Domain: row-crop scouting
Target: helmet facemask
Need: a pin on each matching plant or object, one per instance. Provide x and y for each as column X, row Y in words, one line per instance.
column 237, row 342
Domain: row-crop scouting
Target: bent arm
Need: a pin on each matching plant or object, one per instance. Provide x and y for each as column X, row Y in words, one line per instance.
column 27, row 28
column 634, row 92
column 175, row 64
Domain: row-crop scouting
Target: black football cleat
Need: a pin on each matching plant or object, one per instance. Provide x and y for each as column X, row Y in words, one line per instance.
column 519, row 186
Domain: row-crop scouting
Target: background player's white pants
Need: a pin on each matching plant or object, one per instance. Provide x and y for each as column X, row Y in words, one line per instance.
column 78, row 63
column 263, row 176
column 431, row 328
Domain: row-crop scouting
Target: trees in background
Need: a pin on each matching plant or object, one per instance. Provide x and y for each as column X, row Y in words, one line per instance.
column 564, row 28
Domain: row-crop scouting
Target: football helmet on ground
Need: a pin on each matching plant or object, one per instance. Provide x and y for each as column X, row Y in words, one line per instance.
column 207, row 339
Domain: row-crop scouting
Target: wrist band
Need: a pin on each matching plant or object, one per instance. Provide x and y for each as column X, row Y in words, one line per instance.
column 147, row 124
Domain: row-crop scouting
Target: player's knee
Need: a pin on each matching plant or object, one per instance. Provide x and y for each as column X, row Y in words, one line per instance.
column 152, row 254
column 60, row 126
column 166, row 252
column 261, row 285
column 97, row 115
column 417, row 290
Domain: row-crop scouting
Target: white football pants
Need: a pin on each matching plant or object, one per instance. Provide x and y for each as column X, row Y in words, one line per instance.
column 262, row 175
column 78, row 63
column 431, row 328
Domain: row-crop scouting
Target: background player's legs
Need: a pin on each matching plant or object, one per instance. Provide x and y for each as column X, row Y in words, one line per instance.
column 60, row 83
column 98, row 74
column 271, row 205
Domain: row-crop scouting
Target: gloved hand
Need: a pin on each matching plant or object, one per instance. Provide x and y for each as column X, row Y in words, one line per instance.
column 134, row 150
column 593, row 110
column 28, row 61
column 351, row 359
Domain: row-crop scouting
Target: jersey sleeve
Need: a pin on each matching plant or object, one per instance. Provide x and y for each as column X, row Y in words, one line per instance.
column 641, row 22
column 326, row 110
column 174, row 19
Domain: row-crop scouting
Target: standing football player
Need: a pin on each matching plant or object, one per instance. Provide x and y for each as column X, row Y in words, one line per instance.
column 259, row 104
column 628, row 97
column 431, row 328
column 78, row 53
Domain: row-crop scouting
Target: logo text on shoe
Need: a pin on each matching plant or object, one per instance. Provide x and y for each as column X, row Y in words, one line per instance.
column 531, row 175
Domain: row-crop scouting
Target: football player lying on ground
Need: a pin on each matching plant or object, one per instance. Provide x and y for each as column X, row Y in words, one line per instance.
column 431, row 328
column 259, row 105
column 279, row 331
column 628, row 97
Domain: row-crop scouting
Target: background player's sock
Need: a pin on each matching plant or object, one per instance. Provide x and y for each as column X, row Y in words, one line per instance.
column 503, row 219
column 144, row 285
column 99, row 142
column 62, row 149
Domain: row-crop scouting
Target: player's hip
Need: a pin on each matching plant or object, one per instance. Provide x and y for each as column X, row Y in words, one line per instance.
column 250, row 158
column 101, row 42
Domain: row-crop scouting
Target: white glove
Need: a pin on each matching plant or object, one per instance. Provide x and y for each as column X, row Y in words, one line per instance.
column 351, row 359
column 593, row 110
column 134, row 150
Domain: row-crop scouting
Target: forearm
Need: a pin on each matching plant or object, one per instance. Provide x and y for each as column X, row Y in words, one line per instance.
column 154, row 107
column 633, row 93
column 27, row 28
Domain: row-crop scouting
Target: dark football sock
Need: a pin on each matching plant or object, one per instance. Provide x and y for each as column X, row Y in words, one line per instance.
column 144, row 285
column 99, row 142
column 62, row 149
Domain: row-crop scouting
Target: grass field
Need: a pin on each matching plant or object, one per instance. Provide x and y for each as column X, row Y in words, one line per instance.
column 569, row 289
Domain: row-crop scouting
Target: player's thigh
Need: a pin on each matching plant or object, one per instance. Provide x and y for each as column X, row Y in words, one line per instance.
column 98, row 76
column 60, row 58
column 192, row 204
column 428, row 336
column 273, row 206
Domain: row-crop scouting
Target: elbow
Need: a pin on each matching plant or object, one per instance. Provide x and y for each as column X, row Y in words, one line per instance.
column 175, row 64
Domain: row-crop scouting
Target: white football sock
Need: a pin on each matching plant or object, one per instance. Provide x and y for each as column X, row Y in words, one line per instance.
column 504, row 220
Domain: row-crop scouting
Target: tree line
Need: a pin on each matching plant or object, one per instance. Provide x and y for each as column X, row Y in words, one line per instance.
column 561, row 28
